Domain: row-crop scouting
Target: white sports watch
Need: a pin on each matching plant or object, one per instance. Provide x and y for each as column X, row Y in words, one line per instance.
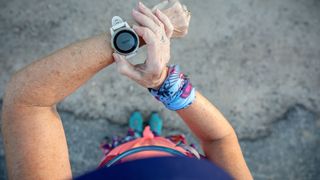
column 123, row 38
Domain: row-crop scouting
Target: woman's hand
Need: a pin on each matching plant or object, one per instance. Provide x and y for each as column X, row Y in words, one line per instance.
column 178, row 14
column 156, row 30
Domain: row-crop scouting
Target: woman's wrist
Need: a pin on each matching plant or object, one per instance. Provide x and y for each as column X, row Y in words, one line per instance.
column 162, row 78
column 176, row 92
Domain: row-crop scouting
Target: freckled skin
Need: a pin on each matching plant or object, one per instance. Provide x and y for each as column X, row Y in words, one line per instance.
column 34, row 138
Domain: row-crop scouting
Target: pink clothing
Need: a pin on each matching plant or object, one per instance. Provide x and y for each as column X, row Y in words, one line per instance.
column 148, row 139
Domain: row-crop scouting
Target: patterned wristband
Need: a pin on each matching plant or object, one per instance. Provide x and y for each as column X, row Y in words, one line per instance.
column 176, row 92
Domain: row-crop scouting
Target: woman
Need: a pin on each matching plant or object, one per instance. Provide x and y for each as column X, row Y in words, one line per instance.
column 34, row 139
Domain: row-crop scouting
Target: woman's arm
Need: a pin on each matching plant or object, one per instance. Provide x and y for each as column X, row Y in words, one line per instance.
column 50, row 79
column 217, row 137
column 34, row 139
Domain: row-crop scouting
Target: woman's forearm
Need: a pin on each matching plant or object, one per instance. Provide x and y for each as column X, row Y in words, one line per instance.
column 49, row 80
column 205, row 120
column 216, row 135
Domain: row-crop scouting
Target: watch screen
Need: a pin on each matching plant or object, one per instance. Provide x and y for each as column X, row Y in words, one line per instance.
column 125, row 41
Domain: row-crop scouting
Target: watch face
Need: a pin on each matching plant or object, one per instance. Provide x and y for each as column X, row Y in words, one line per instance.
column 125, row 41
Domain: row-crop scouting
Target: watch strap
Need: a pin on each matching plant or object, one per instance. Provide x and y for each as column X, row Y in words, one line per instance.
column 117, row 23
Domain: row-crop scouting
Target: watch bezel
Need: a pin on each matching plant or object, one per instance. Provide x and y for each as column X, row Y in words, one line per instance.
column 117, row 49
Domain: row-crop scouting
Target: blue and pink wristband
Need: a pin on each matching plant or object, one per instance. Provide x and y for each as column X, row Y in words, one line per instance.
column 176, row 92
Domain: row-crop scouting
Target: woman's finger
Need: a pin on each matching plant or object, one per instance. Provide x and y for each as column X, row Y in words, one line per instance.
column 126, row 68
column 151, row 42
column 147, row 35
column 166, row 21
column 146, row 11
column 145, row 21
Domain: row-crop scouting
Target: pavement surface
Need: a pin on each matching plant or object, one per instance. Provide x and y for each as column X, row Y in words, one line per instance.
column 257, row 61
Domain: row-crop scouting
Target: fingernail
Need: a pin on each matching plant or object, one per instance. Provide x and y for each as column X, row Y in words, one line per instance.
column 141, row 4
column 158, row 11
column 134, row 11
column 115, row 56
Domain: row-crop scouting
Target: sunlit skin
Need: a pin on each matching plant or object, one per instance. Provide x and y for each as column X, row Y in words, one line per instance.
column 34, row 138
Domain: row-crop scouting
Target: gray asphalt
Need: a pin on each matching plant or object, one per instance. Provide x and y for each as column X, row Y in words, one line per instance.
column 257, row 61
